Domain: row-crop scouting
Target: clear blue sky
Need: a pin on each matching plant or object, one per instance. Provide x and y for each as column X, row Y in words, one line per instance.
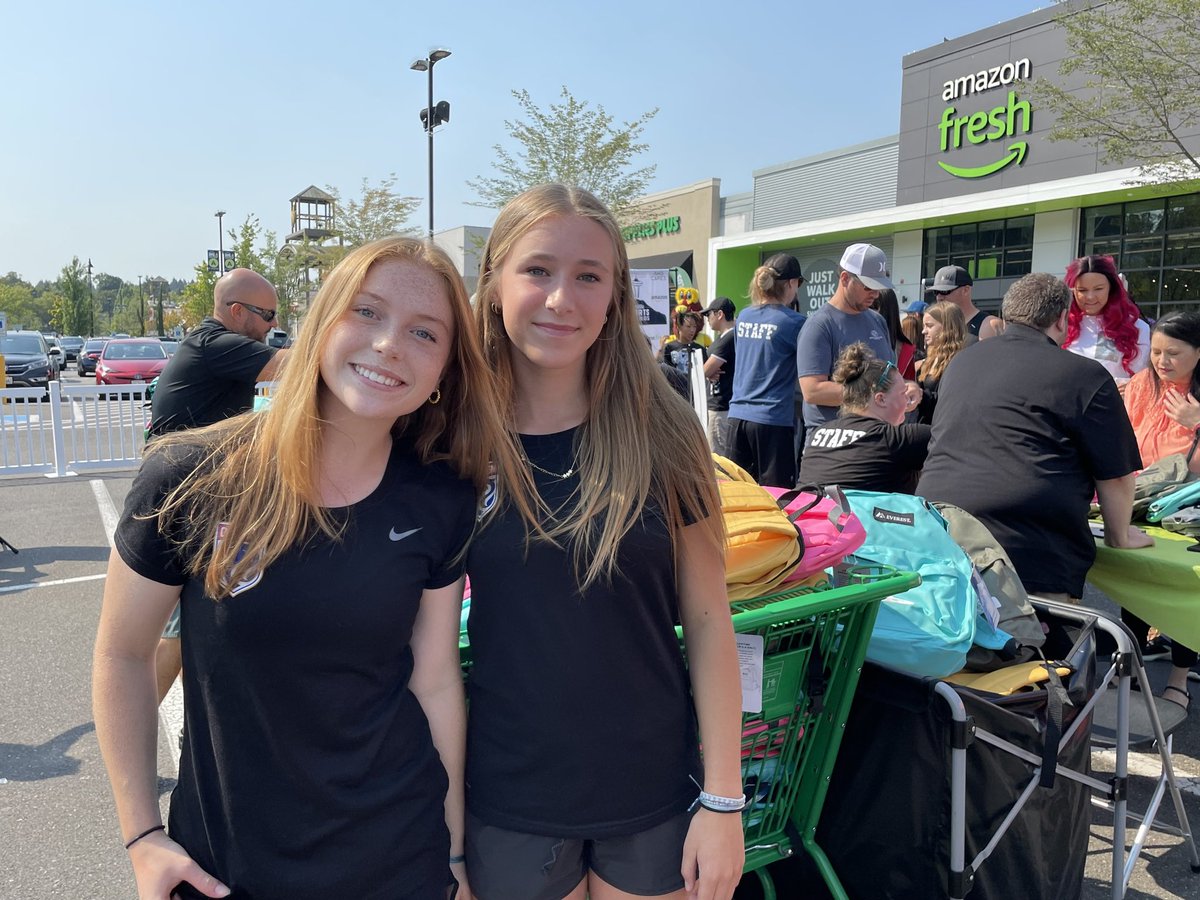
column 126, row 125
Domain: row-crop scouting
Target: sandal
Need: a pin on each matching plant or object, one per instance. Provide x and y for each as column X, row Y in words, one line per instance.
column 1186, row 705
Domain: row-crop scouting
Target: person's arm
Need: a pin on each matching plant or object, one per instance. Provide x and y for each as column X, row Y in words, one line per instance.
column 714, row 852
column 819, row 390
column 713, row 366
column 1116, row 507
column 436, row 682
column 993, row 326
column 271, row 370
column 132, row 617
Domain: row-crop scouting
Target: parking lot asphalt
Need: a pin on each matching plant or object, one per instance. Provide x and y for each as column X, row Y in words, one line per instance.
column 58, row 830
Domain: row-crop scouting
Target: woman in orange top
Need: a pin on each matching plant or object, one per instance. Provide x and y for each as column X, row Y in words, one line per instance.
column 1163, row 402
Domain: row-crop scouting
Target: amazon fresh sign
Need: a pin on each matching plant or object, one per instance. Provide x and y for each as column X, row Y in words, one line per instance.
column 1000, row 126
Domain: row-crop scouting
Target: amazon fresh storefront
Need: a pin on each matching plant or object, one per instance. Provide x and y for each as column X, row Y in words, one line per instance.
column 972, row 180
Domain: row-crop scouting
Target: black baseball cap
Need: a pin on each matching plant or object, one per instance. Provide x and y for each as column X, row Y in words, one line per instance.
column 721, row 304
column 786, row 266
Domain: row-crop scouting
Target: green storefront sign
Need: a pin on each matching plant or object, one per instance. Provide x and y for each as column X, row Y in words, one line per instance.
column 669, row 225
column 999, row 124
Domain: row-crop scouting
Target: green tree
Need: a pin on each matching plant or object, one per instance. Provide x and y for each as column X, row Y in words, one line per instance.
column 1141, row 95
column 244, row 239
column 378, row 213
column 572, row 143
column 23, row 308
column 73, row 313
column 196, row 298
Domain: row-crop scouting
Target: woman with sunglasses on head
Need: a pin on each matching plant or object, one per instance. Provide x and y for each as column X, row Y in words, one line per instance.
column 583, row 767
column 868, row 446
column 1104, row 324
column 316, row 549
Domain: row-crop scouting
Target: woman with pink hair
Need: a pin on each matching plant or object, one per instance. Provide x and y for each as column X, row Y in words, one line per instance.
column 1103, row 323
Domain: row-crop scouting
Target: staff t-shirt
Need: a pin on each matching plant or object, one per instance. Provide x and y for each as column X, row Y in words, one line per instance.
column 308, row 770
column 764, row 382
column 862, row 452
column 828, row 332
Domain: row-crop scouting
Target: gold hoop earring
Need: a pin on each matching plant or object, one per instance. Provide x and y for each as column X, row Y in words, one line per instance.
column 495, row 310
column 436, row 397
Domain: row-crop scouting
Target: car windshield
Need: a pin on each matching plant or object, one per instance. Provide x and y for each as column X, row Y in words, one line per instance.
column 134, row 351
column 22, row 343
column 95, row 344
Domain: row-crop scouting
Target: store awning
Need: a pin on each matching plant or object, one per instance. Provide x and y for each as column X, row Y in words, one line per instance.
column 681, row 259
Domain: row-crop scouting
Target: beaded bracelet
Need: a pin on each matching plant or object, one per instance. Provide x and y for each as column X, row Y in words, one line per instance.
column 148, row 831
column 714, row 803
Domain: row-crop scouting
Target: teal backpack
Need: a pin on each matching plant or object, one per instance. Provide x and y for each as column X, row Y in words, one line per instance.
column 928, row 630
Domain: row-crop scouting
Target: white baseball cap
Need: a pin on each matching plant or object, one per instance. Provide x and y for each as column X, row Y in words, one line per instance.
column 870, row 264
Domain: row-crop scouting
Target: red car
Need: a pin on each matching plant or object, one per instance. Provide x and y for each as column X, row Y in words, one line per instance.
column 130, row 361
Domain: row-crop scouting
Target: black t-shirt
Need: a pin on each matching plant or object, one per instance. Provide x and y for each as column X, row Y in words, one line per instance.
column 864, row 453
column 1022, row 432
column 581, row 720
column 211, row 377
column 976, row 323
column 721, row 390
column 308, row 770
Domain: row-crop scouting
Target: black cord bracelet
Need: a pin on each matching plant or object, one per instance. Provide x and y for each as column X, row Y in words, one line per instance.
column 148, row 831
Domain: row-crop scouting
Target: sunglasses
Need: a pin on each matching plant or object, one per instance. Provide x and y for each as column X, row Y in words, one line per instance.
column 881, row 384
column 267, row 315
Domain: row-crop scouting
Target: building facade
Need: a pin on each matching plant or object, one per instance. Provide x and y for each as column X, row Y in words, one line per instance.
column 971, row 179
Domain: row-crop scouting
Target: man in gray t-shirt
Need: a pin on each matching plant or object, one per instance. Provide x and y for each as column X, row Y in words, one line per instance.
column 845, row 319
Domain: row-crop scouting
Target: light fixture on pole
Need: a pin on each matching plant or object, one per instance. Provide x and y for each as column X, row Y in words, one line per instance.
column 220, row 214
column 432, row 115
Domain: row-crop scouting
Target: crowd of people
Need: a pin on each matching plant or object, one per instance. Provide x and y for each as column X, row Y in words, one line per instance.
column 316, row 551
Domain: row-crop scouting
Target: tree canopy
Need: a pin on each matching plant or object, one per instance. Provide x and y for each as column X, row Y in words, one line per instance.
column 1141, row 96
column 572, row 143
column 378, row 213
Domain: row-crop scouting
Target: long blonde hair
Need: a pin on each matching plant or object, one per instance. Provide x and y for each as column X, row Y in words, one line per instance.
column 259, row 470
column 641, row 441
column 945, row 345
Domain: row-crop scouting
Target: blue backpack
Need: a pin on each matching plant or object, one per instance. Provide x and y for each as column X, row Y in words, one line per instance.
column 927, row 630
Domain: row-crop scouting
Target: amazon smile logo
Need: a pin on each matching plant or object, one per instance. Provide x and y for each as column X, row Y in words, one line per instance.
column 998, row 125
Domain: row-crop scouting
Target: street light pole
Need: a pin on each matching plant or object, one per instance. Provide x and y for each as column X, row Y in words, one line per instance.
column 220, row 214
column 91, row 302
column 141, row 309
column 432, row 116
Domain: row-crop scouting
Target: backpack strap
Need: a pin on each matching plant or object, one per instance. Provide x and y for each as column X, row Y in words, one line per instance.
column 1056, row 700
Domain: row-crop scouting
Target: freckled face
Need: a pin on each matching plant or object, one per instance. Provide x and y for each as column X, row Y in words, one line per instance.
column 1091, row 293
column 386, row 354
column 556, row 287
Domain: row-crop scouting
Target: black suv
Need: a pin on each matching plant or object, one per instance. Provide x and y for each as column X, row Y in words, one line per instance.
column 27, row 360
column 85, row 363
column 71, row 346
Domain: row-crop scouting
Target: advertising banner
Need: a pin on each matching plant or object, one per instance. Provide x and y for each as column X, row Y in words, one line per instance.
column 652, row 298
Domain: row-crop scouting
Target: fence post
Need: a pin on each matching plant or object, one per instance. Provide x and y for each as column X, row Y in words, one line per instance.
column 60, row 436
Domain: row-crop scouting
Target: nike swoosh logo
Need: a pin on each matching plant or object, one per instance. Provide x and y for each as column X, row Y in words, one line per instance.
column 399, row 537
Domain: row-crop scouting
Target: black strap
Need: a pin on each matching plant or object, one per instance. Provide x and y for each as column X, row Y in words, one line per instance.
column 1056, row 700
column 1192, row 451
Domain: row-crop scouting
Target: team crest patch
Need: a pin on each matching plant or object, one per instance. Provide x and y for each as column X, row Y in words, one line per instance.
column 245, row 584
column 488, row 503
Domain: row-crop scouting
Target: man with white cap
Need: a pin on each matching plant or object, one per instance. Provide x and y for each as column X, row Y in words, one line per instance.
column 846, row 319
column 955, row 284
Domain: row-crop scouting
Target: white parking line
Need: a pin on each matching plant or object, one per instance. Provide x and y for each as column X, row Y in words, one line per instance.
column 1148, row 765
column 108, row 512
column 8, row 589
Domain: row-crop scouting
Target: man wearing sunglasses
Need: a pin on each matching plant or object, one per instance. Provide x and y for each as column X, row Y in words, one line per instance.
column 211, row 377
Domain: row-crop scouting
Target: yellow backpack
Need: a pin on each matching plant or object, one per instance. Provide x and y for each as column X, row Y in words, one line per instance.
column 763, row 545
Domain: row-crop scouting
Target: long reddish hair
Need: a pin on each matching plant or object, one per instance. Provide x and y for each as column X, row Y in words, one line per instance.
column 1120, row 315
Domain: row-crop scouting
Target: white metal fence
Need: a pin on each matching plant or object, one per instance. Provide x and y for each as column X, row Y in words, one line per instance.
column 80, row 428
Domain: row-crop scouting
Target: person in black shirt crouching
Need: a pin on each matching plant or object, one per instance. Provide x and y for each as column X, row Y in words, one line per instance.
column 867, row 446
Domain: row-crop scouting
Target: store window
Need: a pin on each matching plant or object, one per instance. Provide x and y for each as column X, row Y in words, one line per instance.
column 995, row 253
column 1156, row 244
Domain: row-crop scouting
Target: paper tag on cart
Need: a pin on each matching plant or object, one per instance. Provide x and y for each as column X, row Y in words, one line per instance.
column 750, row 662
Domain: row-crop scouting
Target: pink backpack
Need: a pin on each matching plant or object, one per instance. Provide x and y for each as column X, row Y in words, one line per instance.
column 828, row 530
